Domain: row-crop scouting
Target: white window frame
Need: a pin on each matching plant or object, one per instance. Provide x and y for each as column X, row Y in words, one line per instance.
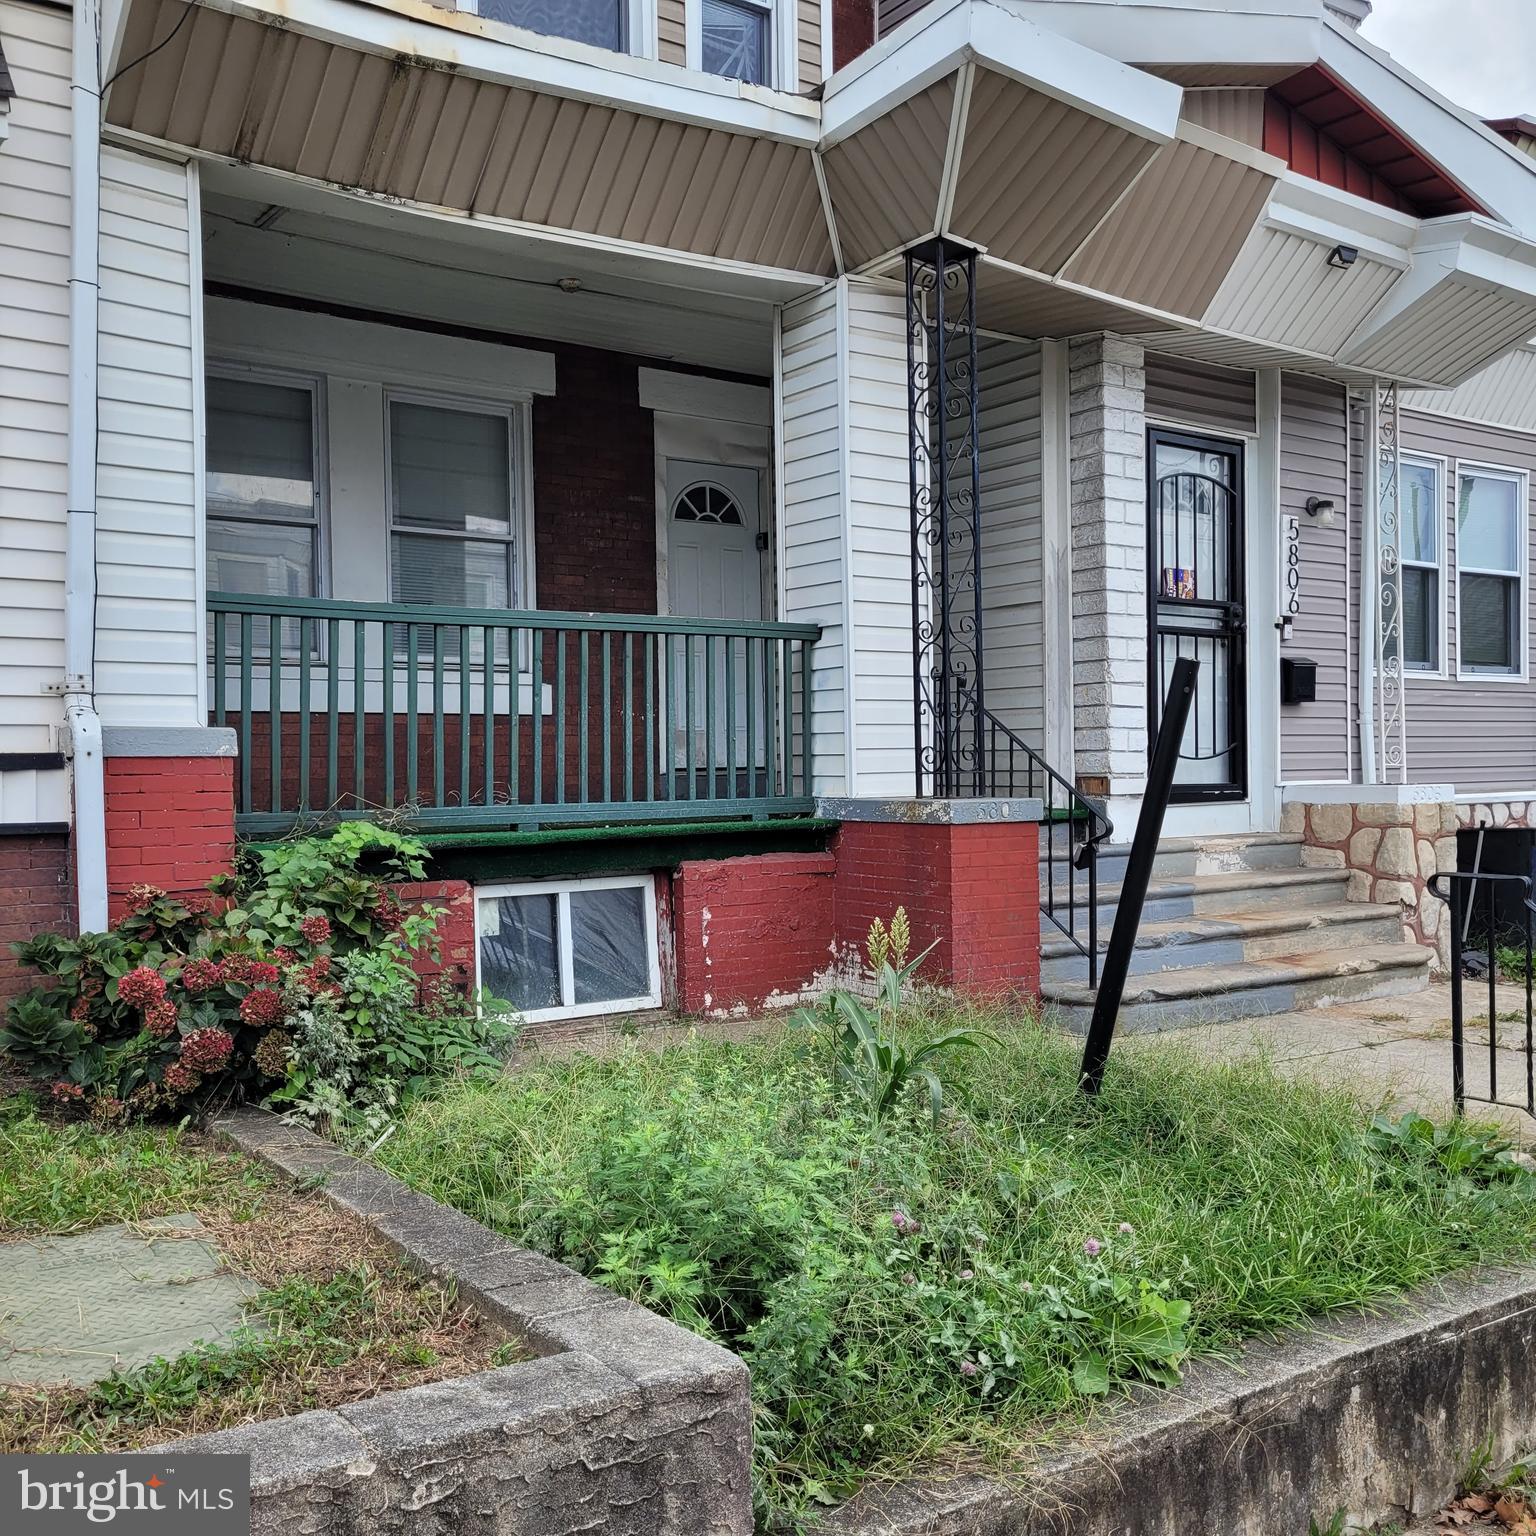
column 562, row 891
column 1521, row 480
column 1442, row 566
column 783, row 42
column 639, row 28
column 287, row 378
column 519, row 537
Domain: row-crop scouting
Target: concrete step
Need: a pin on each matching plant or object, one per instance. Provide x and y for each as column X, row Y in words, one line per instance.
column 1185, row 856
column 1215, row 895
column 1280, row 984
column 1231, row 938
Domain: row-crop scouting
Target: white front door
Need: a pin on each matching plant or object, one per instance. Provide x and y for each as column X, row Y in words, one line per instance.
column 715, row 571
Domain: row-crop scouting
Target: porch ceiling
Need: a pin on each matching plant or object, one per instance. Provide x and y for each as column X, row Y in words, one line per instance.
column 244, row 89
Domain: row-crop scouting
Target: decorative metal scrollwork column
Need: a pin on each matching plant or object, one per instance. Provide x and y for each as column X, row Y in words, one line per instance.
column 1391, row 716
column 947, row 670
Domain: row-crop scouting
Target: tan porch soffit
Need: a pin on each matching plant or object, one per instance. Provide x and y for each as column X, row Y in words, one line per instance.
column 273, row 96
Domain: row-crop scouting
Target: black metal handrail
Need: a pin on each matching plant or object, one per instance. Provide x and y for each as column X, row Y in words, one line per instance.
column 1011, row 767
column 1458, row 889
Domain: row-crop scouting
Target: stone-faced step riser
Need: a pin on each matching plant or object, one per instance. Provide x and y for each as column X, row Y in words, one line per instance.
column 1228, row 949
column 1175, row 864
column 1175, row 904
column 1252, row 1002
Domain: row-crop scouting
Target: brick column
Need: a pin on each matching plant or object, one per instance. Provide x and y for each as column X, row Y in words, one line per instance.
column 1107, row 430
column 170, row 823
column 968, row 873
column 36, row 885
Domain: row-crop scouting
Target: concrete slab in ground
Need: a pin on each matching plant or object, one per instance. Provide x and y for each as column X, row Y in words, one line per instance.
column 74, row 1308
column 1395, row 1049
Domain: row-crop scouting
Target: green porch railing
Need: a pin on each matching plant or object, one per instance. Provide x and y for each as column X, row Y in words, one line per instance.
column 469, row 717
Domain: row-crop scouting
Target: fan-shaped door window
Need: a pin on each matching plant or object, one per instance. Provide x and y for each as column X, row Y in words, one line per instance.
column 706, row 503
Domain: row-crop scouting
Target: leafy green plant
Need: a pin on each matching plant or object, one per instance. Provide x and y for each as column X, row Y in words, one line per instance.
column 1478, row 1154
column 878, row 1067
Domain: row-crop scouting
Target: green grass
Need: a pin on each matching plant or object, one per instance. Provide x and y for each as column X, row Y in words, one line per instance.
column 70, row 1177
column 338, row 1317
column 739, row 1188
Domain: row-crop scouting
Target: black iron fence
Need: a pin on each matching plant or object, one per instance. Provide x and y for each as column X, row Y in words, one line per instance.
column 1491, row 918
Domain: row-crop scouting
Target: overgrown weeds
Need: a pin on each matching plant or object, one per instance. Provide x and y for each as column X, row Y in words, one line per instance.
column 902, row 1289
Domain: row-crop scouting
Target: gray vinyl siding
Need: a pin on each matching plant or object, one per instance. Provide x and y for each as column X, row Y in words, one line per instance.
column 1314, row 461
column 1202, row 395
column 1011, row 532
column 1479, row 736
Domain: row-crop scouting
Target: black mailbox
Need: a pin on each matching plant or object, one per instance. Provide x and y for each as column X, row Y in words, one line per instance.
column 1298, row 680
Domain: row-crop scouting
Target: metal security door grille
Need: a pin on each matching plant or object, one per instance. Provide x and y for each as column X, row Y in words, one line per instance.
column 1195, row 548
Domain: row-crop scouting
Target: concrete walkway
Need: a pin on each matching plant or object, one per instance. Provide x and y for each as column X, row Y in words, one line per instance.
column 1395, row 1049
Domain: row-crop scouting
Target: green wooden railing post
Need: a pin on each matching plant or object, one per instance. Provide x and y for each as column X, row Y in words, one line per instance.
column 438, row 679
column 538, row 717
column 584, row 688
column 332, row 711
column 275, row 711
column 806, row 780
column 247, row 682
column 360, row 713
column 412, row 712
column 387, row 678
column 464, row 713
column 488, row 708
column 304, row 680
column 629, row 716
column 607, row 697
column 562, row 708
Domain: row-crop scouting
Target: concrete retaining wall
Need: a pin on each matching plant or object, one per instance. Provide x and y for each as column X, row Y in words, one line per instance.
column 1370, row 1415
column 623, row 1423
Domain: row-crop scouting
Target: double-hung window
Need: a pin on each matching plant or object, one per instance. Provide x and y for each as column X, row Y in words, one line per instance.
column 1422, row 552
column 263, row 490
column 1490, row 572
column 737, row 39
column 454, row 503
column 601, row 22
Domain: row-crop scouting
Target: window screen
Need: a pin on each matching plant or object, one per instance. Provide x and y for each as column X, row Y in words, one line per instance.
column 1490, row 562
column 585, row 21
column 451, row 506
column 735, row 35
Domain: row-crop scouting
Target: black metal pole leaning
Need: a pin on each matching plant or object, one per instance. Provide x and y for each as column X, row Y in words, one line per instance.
column 1138, row 873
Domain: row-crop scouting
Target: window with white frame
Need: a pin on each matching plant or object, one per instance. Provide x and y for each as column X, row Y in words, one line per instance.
column 454, row 503
column 1422, row 552
column 601, row 22
column 737, row 39
column 263, row 490
column 564, row 949
column 1490, row 572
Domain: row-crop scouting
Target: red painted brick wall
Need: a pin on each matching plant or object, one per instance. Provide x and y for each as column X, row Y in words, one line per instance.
column 170, row 823
column 751, row 929
column 973, row 889
column 37, row 892
column 455, row 963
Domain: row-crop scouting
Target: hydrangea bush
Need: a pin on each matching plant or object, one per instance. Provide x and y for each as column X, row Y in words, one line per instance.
column 293, row 981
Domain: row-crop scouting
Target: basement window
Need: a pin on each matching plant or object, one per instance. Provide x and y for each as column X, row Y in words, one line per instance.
column 569, row 949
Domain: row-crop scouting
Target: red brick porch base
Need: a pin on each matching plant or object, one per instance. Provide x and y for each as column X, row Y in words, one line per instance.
column 752, row 932
column 170, row 823
column 973, row 887
column 455, row 963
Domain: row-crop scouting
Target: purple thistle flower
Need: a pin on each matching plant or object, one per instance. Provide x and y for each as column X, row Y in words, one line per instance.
column 1126, row 1229
column 967, row 1274
column 1092, row 1247
column 967, row 1367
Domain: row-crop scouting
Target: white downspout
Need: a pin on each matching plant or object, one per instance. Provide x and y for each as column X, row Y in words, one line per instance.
column 80, row 718
column 1370, row 574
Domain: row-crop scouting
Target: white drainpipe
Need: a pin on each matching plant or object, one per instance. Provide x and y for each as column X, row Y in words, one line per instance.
column 80, row 717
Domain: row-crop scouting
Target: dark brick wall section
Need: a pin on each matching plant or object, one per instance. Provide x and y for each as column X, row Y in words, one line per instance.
column 751, row 930
column 973, row 889
column 36, row 892
column 170, row 823
column 853, row 29
column 594, row 487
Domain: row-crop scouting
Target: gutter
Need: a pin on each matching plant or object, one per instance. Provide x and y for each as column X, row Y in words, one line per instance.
column 81, row 721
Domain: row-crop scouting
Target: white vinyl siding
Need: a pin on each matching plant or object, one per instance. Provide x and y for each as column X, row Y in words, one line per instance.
column 810, row 422
column 149, row 612
column 1012, row 588
column 879, row 540
column 34, row 386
